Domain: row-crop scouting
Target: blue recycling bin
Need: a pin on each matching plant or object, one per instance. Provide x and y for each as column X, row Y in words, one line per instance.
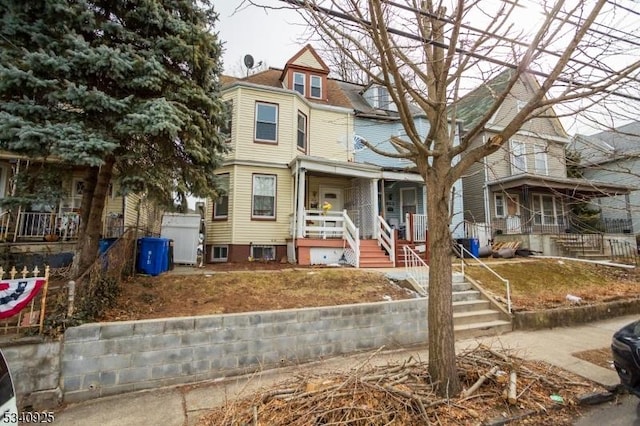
column 153, row 255
column 474, row 247
column 104, row 244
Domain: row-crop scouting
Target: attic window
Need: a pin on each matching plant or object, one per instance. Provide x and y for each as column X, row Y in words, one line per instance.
column 298, row 82
column 383, row 98
column 316, row 86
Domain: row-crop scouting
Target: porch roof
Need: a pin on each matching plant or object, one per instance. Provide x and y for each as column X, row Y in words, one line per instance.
column 347, row 168
column 335, row 167
column 574, row 186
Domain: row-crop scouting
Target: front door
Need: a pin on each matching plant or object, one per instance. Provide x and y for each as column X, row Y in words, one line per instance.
column 333, row 196
column 408, row 202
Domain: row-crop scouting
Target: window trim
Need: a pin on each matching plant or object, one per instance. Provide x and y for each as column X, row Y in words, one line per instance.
column 275, row 197
column 215, row 216
column 263, row 246
column 219, row 259
column 255, row 123
column 306, row 132
column 304, row 82
column 311, row 86
column 522, row 157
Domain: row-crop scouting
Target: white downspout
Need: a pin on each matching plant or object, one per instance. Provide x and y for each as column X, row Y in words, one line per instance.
column 294, row 222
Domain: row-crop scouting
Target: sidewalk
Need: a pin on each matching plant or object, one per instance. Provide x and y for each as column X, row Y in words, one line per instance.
column 184, row 405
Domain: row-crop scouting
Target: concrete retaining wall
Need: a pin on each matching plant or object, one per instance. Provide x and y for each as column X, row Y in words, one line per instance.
column 35, row 368
column 110, row 358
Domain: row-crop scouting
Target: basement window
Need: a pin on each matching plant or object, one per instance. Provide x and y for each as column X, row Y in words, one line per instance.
column 219, row 253
column 263, row 252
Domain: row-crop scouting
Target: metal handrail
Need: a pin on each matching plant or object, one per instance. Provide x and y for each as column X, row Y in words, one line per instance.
column 504, row 280
column 416, row 268
column 386, row 238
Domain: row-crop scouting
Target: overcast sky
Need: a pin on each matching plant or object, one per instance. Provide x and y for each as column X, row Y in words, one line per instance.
column 271, row 36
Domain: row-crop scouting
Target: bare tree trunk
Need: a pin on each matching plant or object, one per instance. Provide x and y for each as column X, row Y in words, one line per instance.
column 90, row 180
column 92, row 218
column 442, row 355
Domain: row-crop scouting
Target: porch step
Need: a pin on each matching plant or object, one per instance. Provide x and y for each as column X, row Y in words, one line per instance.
column 471, row 306
column 373, row 256
column 487, row 328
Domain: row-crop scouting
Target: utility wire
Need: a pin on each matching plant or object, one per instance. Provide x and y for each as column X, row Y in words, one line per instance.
column 346, row 17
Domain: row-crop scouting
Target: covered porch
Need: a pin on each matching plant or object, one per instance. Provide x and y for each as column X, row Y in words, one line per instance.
column 530, row 204
column 350, row 213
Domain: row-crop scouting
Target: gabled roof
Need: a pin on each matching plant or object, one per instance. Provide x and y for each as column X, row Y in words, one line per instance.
column 271, row 78
column 295, row 63
column 472, row 106
column 610, row 145
column 354, row 92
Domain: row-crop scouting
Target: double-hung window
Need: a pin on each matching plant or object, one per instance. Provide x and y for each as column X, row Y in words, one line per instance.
column 316, row 86
column 266, row 122
column 298, row 82
column 221, row 205
column 264, row 197
column 499, row 205
column 518, row 157
column 540, row 160
column 227, row 126
column 302, row 131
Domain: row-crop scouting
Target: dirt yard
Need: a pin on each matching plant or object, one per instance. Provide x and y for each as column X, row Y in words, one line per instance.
column 266, row 287
column 230, row 288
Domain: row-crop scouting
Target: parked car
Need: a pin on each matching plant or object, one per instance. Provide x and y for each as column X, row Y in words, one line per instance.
column 625, row 347
column 8, row 406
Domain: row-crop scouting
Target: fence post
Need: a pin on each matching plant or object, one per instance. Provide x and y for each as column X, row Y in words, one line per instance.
column 71, row 288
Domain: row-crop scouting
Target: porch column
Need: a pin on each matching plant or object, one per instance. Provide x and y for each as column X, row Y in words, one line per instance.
column 424, row 199
column 302, row 172
column 373, row 185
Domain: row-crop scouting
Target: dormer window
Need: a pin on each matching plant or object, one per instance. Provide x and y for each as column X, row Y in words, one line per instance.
column 383, row 98
column 298, row 82
column 316, row 86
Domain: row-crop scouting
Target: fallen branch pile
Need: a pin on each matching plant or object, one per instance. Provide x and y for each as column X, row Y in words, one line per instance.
column 496, row 385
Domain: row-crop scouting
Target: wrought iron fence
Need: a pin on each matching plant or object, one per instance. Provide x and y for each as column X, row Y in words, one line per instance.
column 30, row 318
column 624, row 252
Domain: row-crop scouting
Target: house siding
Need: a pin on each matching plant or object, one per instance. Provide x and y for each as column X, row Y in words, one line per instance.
column 473, row 195
column 618, row 173
column 246, row 230
column 221, row 231
column 540, row 126
column 308, row 60
column 331, row 135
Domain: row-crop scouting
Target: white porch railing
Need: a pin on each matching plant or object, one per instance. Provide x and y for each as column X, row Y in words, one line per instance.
column 417, row 269
column 320, row 224
column 416, row 227
column 33, row 225
column 484, row 265
column 352, row 235
column 386, row 238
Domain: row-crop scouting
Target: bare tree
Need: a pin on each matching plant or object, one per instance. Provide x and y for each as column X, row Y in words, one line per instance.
column 428, row 55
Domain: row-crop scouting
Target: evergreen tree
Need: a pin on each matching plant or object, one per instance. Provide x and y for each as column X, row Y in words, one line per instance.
column 114, row 85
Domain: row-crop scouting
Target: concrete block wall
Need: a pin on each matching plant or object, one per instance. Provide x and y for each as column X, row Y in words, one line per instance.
column 35, row 369
column 110, row 358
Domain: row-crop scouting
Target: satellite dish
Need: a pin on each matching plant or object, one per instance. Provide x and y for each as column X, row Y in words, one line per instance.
column 248, row 61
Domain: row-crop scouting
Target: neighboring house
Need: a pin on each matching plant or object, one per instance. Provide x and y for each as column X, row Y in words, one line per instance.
column 402, row 193
column 522, row 190
column 292, row 136
column 613, row 156
column 56, row 217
